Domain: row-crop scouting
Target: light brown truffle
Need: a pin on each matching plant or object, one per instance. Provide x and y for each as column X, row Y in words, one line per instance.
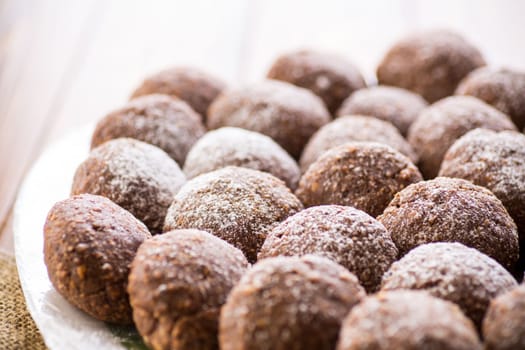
column 286, row 113
column 190, row 84
column 239, row 205
column 288, row 303
column 363, row 175
column 89, row 243
column 239, row 147
column 407, row 320
column 452, row 210
column 329, row 76
column 160, row 120
column 345, row 235
column 353, row 128
column 137, row 176
column 178, row 282
column 453, row 272
column 395, row 105
column 504, row 89
column 441, row 124
column 430, row 63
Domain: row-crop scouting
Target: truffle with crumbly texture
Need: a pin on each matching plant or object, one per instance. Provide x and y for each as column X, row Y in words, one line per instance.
column 453, row 272
column 288, row 303
column 354, row 128
column 363, row 175
column 345, row 235
column 430, row 63
column 441, row 124
column 160, row 120
column 286, row 113
column 137, row 176
column 239, row 205
column 407, row 320
column 89, row 243
column 329, row 76
column 239, row 147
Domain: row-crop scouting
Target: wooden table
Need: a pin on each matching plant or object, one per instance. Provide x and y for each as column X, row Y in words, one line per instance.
column 64, row 63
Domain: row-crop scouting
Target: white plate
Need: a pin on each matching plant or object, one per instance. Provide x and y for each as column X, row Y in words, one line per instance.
column 62, row 325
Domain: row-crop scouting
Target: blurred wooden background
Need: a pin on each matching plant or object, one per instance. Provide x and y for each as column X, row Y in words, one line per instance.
column 64, row 63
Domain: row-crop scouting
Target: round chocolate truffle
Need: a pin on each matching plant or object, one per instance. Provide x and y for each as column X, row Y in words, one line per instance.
column 441, row 124
column 452, row 210
column 178, row 282
column 288, row 303
column 453, row 272
column 345, row 235
column 397, row 106
column 504, row 89
column 504, row 324
column 287, row 113
column 408, row 320
column 192, row 85
column 329, row 76
column 354, row 128
column 89, row 243
column 239, row 205
column 430, row 63
column 364, row 175
column 137, row 176
column 160, row 120
column 242, row 148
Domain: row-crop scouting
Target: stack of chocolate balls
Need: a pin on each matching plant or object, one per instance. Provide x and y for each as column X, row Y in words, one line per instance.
column 309, row 210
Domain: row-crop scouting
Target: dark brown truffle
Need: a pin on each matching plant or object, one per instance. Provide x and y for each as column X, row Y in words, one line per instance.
column 452, row 210
column 178, row 282
column 89, row 243
column 345, row 235
column 243, row 148
column 453, row 272
column 354, row 128
column 504, row 89
column 397, row 106
column 192, row 85
column 430, row 63
column 285, row 112
column 329, row 76
column 407, row 320
column 239, row 205
column 160, row 120
column 137, row 176
column 288, row 303
column 441, row 124
column 363, row 175
column 504, row 324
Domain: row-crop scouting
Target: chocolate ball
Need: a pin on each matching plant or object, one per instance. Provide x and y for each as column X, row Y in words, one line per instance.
column 329, row 76
column 354, row 128
column 160, row 120
column 239, row 205
column 239, row 147
column 429, row 63
column 89, row 243
column 453, row 272
column 345, row 235
column 190, row 84
column 441, row 124
column 286, row 113
column 363, row 175
column 288, row 303
column 504, row 89
column 408, row 320
column 137, row 176
column 452, row 210
column 178, row 282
